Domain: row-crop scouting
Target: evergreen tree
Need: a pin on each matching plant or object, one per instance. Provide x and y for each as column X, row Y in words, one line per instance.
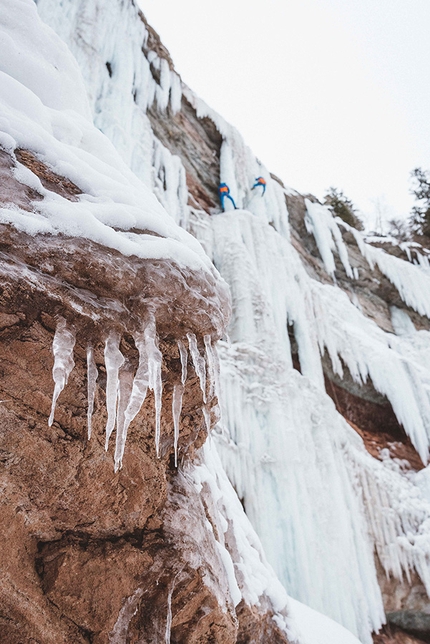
column 420, row 218
column 343, row 207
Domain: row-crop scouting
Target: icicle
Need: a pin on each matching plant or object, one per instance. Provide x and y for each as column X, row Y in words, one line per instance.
column 113, row 361
column 207, row 417
column 213, row 367
column 135, row 400
column 210, row 363
column 169, row 609
column 154, row 375
column 62, row 348
column 125, row 387
column 178, row 391
column 92, row 375
column 184, row 360
column 198, row 362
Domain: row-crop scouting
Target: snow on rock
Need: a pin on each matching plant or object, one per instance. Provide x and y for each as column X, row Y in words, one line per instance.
column 38, row 59
column 121, row 88
column 114, row 201
column 412, row 280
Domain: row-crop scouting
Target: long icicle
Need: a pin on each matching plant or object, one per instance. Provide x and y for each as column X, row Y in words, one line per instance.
column 211, row 364
column 113, row 361
column 198, row 362
column 178, row 391
column 154, row 373
column 207, row 417
column 125, row 387
column 62, row 348
column 92, row 375
column 136, row 399
column 184, row 360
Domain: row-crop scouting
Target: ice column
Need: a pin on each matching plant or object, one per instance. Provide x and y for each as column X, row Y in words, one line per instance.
column 154, row 375
column 198, row 362
column 62, row 348
column 113, row 361
column 92, row 374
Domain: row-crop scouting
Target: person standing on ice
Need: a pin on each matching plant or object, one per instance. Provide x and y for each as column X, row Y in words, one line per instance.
column 260, row 181
column 223, row 192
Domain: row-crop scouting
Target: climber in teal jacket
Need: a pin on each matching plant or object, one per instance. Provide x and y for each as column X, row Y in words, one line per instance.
column 260, row 181
column 223, row 192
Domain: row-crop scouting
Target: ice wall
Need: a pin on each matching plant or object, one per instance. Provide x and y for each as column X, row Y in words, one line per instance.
column 319, row 502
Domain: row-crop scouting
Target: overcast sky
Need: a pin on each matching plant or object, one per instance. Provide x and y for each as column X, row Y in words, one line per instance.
column 325, row 92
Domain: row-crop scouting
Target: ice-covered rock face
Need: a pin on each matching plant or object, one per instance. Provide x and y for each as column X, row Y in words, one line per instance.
column 95, row 268
column 95, row 247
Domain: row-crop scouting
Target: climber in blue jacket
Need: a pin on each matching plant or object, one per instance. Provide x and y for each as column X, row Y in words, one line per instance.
column 260, row 181
column 223, row 192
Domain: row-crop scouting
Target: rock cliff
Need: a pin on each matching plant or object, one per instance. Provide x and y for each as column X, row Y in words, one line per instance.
column 115, row 325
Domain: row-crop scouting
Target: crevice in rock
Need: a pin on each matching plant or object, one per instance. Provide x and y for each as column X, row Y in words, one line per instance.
column 371, row 415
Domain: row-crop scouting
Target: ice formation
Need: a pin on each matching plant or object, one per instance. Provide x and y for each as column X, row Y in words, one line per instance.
column 62, row 348
column 319, row 502
column 135, row 399
column 154, row 376
column 198, row 363
column 321, row 223
column 178, row 391
column 413, row 285
column 92, row 374
column 113, row 361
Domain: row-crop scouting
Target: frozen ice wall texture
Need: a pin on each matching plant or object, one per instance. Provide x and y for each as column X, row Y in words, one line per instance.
column 320, row 503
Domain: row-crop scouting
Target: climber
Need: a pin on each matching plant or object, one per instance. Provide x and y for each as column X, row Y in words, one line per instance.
column 223, row 192
column 260, row 181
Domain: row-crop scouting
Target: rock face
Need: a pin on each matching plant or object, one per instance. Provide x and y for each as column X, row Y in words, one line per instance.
column 150, row 552
column 95, row 550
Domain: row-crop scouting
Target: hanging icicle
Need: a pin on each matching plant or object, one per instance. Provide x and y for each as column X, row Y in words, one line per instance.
column 184, row 360
column 92, row 375
column 135, row 400
column 154, row 375
column 198, row 362
column 113, row 361
column 62, row 348
column 178, row 391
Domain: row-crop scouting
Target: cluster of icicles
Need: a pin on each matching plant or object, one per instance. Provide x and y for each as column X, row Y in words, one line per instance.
column 125, row 390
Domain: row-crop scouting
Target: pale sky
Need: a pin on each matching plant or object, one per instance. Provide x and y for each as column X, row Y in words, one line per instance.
column 325, row 92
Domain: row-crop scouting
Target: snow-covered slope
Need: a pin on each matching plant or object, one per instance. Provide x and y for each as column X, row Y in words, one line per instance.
column 321, row 505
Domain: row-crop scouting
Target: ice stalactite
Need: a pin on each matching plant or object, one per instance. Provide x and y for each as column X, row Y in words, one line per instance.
column 207, row 417
column 135, row 399
column 184, row 361
column 198, row 362
column 213, row 367
column 154, row 375
column 92, row 375
column 125, row 387
column 178, row 391
column 411, row 280
column 321, row 223
column 113, row 361
column 62, row 348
